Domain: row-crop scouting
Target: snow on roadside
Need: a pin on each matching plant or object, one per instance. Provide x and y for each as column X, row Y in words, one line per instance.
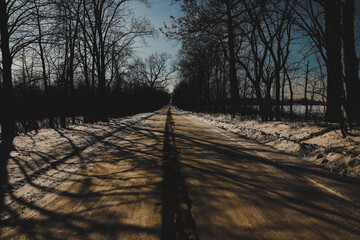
column 39, row 158
column 317, row 143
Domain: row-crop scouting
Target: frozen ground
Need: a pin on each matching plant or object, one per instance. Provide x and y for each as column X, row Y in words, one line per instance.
column 59, row 154
column 323, row 145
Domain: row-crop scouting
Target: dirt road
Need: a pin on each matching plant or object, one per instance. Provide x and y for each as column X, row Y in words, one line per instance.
column 173, row 178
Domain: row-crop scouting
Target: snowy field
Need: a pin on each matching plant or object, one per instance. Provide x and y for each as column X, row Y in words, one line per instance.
column 299, row 110
column 316, row 110
column 319, row 143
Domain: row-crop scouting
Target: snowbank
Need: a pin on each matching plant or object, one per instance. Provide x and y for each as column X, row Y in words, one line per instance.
column 319, row 143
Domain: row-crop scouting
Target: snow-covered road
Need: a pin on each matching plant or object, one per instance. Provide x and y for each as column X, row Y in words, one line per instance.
column 173, row 177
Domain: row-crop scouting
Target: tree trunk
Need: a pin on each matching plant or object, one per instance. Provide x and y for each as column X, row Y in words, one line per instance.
column 7, row 111
column 277, row 79
column 283, row 92
column 277, row 92
column 305, row 90
column 43, row 66
column 102, row 106
column 234, row 88
column 71, row 77
column 260, row 102
column 334, row 63
column 291, row 96
column 351, row 62
column 224, row 104
column 269, row 104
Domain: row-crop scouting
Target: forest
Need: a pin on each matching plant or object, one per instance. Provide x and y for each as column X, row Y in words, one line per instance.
column 265, row 57
column 67, row 61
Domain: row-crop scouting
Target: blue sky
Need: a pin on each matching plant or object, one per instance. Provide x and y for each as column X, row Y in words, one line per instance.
column 159, row 12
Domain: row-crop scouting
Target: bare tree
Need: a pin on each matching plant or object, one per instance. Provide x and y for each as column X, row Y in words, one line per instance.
column 217, row 19
column 108, row 23
column 328, row 29
column 14, row 29
column 153, row 70
column 351, row 62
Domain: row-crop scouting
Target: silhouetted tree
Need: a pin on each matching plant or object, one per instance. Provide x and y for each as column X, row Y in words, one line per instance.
column 14, row 28
column 218, row 19
column 153, row 70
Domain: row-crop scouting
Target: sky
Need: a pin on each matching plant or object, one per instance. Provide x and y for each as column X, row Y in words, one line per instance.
column 159, row 12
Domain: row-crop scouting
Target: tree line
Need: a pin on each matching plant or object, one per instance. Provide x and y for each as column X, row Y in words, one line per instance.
column 271, row 51
column 61, row 59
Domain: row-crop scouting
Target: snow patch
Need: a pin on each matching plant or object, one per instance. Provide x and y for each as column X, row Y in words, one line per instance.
column 319, row 143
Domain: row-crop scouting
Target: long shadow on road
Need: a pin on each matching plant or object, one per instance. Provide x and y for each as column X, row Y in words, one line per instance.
column 6, row 146
column 177, row 222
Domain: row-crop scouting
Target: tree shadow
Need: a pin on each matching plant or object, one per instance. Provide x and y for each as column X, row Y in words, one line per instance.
column 6, row 146
column 239, row 193
column 88, row 206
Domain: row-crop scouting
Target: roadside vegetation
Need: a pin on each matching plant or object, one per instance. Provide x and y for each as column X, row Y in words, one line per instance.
column 69, row 61
column 266, row 58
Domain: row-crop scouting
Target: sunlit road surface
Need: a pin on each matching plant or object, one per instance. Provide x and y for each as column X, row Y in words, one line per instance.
column 174, row 178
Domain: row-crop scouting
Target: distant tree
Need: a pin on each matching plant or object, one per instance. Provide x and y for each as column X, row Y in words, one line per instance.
column 109, row 23
column 218, row 19
column 41, row 40
column 201, row 65
column 153, row 70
